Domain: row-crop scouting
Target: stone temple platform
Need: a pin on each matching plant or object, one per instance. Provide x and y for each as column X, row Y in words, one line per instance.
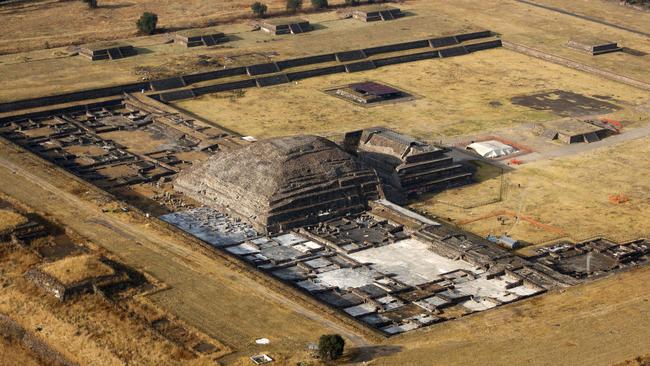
column 282, row 183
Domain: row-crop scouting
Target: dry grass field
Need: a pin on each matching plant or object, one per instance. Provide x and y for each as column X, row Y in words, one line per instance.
column 570, row 194
column 595, row 324
column 600, row 323
column 54, row 71
column 87, row 330
column 605, row 10
column 211, row 294
column 56, row 23
column 78, row 268
column 10, row 219
column 455, row 96
column 12, row 353
column 636, row 361
column 549, row 31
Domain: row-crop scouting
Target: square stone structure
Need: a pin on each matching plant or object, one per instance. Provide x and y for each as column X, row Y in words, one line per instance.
column 285, row 26
column 370, row 92
column 199, row 37
column 571, row 130
column 594, row 46
column 373, row 13
column 107, row 50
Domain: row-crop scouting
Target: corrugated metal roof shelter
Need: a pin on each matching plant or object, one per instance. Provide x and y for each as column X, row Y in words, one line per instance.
column 491, row 149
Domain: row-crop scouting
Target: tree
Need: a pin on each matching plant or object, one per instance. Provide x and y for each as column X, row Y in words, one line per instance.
column 352, row 2
column 319, row 4
column 294, row 5
column 330, row 346
column 147, row 23
column 259, row 9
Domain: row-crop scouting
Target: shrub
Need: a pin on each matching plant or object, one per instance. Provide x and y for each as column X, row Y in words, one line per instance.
column 330, row 346
column 259, row 9
column 319, row 4
column 294, row 5
column 147, row 23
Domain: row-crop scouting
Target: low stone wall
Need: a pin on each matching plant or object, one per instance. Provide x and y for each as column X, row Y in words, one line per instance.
column 38, row 347
column 73, row 97
column 574, row 65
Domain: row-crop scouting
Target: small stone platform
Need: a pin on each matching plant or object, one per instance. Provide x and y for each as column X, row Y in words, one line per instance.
column 199, row 37
column 594, row 46
column 107, row 51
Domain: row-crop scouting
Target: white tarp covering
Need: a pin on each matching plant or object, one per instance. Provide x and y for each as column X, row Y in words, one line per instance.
column 492, row 149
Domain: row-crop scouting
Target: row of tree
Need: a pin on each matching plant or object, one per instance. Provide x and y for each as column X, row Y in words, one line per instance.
column 148, row 21
column 260, row 9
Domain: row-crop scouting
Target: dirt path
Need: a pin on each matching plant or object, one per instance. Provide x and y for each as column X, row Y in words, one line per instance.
column 212, row 296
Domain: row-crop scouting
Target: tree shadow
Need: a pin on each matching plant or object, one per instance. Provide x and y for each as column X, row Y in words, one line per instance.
column 143, row 51
column 368, row 353
column 317, row 26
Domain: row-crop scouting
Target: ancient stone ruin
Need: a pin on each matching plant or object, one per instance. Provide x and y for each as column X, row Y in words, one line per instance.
column 199, row 37
column 107, row 51
column 372, row 13
column 282, row 183
column 571, row 130
column 409, row 166
column 594, row 46
column 369, row 92
column 285, row 26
